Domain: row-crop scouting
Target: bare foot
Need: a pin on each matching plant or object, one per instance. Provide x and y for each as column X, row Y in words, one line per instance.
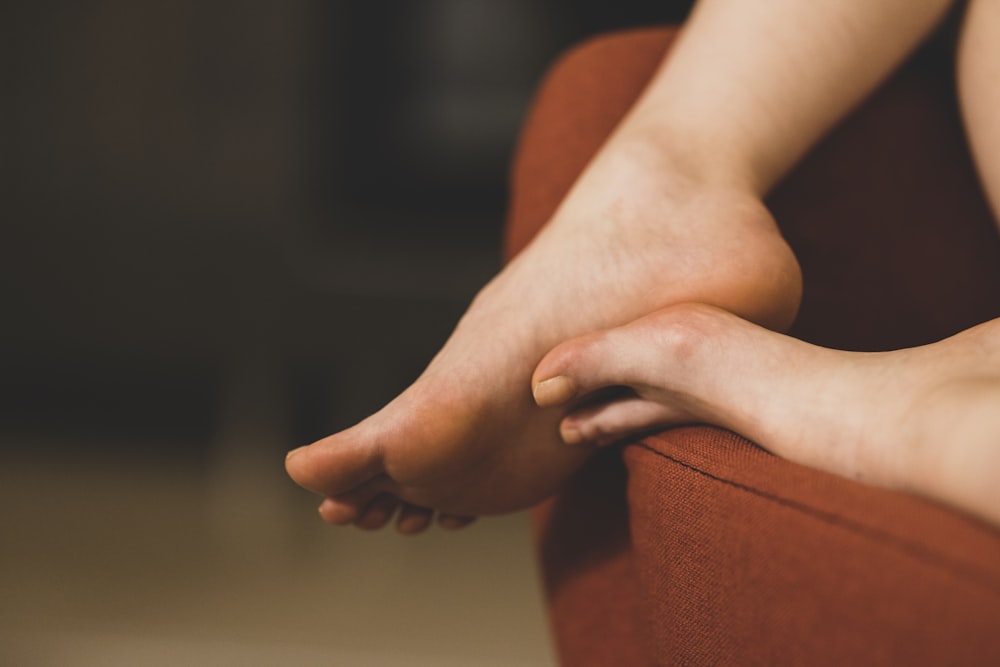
column 926, row 419
column 466, row 438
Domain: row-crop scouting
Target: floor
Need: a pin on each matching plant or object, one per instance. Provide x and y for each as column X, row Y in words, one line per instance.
column 116, row 560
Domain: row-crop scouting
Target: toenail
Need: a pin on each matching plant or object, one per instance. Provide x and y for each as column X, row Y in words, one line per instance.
column 571, row 435
column 295, row 451
column 554, row 391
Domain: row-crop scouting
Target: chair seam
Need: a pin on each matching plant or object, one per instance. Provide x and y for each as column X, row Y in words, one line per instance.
column 913, row 549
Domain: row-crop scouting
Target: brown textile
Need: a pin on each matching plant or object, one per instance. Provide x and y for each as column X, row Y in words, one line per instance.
column 744, row 558
column 720, row 552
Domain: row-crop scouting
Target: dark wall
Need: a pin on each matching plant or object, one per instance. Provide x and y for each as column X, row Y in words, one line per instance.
column 191, row 188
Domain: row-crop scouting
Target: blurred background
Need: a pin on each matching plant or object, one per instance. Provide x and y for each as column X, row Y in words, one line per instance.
column 230, row 228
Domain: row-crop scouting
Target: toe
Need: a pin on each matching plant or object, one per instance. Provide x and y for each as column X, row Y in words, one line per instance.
column 336, row 513
column 347, row 507
column 378, row 513
column 413, row 519
column 608, row 423
column 336, row 464
column 575, row 368
column 649, row 351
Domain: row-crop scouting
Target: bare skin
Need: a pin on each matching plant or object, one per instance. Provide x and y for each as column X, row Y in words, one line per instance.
column 466, row 438
column 924, row 420
column 978, row 72
column 669, row 211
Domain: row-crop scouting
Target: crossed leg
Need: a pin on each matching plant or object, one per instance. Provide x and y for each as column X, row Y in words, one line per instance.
column 668, row 212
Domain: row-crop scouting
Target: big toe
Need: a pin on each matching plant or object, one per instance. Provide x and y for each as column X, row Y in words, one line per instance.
column 583, row 365
column 336, row 464
column 645, row 352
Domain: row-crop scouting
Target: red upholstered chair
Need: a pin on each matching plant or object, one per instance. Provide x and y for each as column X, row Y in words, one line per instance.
column 697, row 547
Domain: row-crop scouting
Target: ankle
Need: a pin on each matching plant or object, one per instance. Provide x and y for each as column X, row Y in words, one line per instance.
column 689, row 157
column 660, row 197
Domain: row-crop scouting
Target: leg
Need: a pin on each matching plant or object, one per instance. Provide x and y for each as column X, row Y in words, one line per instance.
column 923, row 420
column 978, row 73
column 476, row 391
column 668, row 211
